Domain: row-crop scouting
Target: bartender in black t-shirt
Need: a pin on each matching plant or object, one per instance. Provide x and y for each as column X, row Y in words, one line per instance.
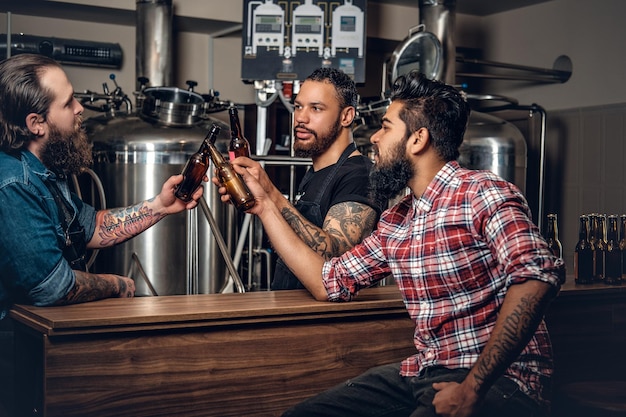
column 332, row 212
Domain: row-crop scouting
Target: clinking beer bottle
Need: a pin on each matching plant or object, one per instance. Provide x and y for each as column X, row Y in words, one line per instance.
column 583, row 254
column 195, row 169
column 239, row 145
column 239, row 193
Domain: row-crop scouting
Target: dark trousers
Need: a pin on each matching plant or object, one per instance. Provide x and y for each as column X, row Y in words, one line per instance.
column 382, row 392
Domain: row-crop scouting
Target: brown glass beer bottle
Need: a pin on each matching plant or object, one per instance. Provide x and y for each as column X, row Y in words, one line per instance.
column 622, row 244
column 239, row 145
column 612, row 254
column 552, row 236
column 600, row 248
column 583, row 254
column 195, row 169
column 239, row 193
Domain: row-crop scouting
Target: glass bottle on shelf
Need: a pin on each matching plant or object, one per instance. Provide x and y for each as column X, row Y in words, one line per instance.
column 552, row 236
column 600, row 248
column 583, row 254
column 239, row 145
column 239, row 193
column 622, row 244
column 612, row 253
column 593, row 231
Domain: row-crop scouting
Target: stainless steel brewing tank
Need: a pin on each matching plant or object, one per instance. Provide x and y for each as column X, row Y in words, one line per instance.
column 494, row 144
column 133, row 157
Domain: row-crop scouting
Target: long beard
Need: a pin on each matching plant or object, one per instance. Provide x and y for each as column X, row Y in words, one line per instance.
column 386, row 181
column 67, row 152
column 320, row 144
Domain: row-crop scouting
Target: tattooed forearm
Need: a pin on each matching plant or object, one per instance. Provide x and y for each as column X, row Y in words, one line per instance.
column 309, row 233
column 119, row 225
column 91, row 287
column 345, row 225
column 508, row 340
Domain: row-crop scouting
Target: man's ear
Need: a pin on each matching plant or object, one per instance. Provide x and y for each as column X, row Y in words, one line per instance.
column 35, row 124
column 418, row 141
column 347, row 116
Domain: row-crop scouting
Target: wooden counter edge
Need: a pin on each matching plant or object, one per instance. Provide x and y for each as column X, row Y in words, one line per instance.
column 170, row 312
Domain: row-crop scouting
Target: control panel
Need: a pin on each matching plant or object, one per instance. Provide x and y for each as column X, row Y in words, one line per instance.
column 287, row 39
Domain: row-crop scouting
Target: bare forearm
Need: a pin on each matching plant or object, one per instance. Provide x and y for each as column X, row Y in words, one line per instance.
column 91, row 287
column 521, row 312
column 120, row 224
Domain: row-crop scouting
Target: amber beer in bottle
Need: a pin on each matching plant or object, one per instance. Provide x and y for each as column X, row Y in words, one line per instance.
column 239, row 193
column 195, row 169
column 239, row 145
column 612, row 253
column 583, row 254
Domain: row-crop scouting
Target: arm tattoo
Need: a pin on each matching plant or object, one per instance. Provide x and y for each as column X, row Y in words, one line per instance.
column 91, row 287
column 309, row 233
column 346, row 224
column 119, row 225
column 517, row 329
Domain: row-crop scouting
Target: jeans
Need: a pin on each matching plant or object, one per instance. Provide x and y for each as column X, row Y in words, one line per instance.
column 383, row 392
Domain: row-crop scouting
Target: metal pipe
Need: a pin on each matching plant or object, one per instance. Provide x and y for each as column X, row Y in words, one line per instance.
column 222, row 245
column 438, row 18
column 541, row 74
column 154, row 43
column 9, row 35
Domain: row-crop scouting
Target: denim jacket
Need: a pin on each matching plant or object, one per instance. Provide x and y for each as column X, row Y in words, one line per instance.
column 32, row 267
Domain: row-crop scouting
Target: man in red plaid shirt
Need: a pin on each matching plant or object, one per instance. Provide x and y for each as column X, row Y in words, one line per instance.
column 474, row 272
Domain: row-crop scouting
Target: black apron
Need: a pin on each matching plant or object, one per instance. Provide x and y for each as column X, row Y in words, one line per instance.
column 74, row 245
column 284, row 279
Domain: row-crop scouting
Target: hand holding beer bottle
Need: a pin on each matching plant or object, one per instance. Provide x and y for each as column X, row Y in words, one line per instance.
column 236, row 188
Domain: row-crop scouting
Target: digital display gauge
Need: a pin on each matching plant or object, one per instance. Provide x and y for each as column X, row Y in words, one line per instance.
column 347, row 29
column 266, row 29
column 308, row 29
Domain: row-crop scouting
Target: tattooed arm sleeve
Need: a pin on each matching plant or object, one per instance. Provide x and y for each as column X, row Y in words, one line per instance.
column 345, row 225
column 91, row 287
column 522, row 311
column 117, row 225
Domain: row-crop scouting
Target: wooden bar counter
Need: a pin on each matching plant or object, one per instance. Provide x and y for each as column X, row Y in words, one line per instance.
column 251, row 354
column 255, row 354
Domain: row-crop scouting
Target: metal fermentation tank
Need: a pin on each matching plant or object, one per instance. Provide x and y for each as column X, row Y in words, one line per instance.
column 135, row 152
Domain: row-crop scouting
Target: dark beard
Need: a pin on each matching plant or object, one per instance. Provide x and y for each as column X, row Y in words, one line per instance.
column 68, row 152
column 321, row 143
column 386, row 182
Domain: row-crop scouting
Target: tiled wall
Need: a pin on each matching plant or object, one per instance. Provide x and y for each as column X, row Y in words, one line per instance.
column 585, row 169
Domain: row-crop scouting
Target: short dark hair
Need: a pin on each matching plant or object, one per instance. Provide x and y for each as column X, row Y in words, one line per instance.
column 344, row 85
column 440, row 108
column 21, row 93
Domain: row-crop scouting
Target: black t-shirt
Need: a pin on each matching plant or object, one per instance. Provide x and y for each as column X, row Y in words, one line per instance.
column 349, row 184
